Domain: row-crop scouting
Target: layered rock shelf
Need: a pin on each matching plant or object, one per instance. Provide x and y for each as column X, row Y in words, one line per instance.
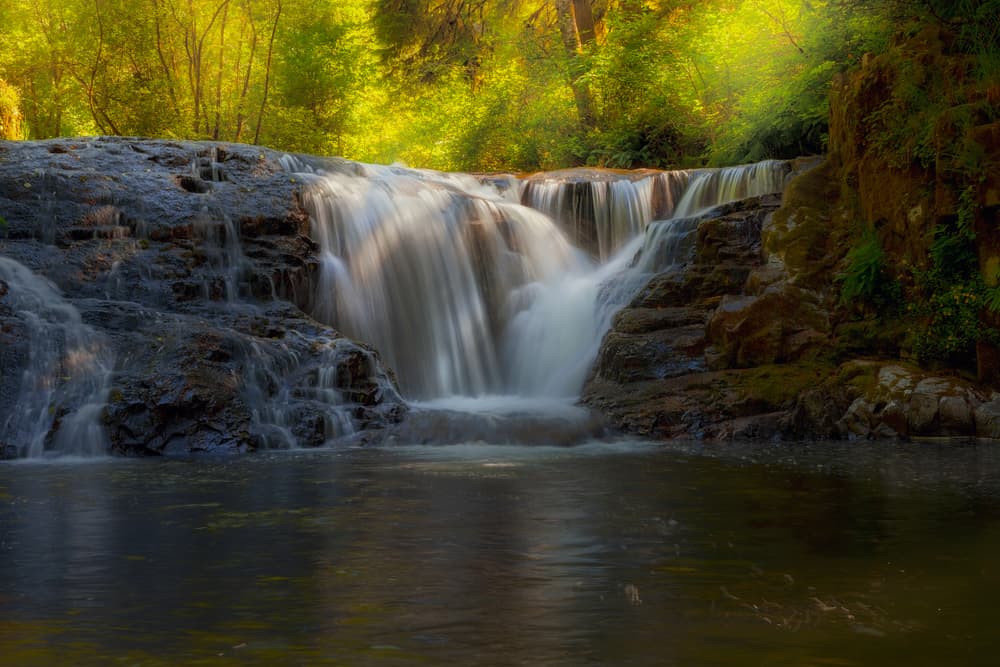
column 748, row 340
column 192, row 263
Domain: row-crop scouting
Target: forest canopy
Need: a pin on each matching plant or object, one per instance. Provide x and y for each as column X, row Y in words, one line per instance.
column 452, row 84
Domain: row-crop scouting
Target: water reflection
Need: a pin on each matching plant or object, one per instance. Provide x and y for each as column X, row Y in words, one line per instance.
column 625, row 554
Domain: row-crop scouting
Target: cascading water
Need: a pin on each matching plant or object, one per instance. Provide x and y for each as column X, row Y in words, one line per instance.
column 602, row 210
column 282, row 390
column 467, row 293
column 473, row 297
column 429, row 268
column 219, row 241
column 66, row 371
column 711, row 187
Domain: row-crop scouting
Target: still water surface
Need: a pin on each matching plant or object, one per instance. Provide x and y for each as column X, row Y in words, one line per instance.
column 604, row 554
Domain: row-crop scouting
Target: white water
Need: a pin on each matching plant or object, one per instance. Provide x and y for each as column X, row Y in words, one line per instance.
column 275, row 414
column 64, row 386
column 709, row 188
column 479, row 303
column 467, row 293
column 429, row 268
column 601, row 211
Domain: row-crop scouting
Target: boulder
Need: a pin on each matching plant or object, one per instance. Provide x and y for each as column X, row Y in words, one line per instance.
column 780, row 325
column 987, row 419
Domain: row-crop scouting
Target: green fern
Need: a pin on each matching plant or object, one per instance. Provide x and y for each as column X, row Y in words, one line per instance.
column 992, row 299
column 865, row 275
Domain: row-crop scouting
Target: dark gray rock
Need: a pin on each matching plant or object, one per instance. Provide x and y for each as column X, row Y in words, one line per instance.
column 193, row 260
column 652, row 374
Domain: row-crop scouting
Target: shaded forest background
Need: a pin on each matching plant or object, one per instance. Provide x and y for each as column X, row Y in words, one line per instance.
column 457, row 84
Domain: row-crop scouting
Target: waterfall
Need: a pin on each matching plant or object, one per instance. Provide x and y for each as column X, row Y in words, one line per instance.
column 63, row 387
column 466, row 292
column 602, row 210
column 711, row 187
column 428, row 268
column 280, row 389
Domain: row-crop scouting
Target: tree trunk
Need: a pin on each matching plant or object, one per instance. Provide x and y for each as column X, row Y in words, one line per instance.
column 167, row 72
column 218, row 79
column 241, row 103
column 267, row 72
column 570, row 33
column 583, row 16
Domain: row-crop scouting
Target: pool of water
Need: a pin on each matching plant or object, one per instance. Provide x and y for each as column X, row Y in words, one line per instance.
column 623, row 553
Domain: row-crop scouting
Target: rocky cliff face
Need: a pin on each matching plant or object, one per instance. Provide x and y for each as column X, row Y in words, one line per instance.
column 191, row 262
column 745, row 342
column 775, row 352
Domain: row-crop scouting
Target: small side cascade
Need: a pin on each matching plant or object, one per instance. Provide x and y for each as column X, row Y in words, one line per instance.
column 602, row 210
column 294, row 402
column 220, row 244
column 709, row 188
column 666, row 245
column 66, row 372
column 207, row 166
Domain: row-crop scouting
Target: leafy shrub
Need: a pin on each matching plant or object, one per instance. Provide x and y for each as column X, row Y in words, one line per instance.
column 953, row 297
column 866, row 277
column 954, row 324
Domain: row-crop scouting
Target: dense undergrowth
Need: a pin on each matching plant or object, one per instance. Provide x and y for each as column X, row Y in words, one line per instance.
column 467, row 85
column 933, row 124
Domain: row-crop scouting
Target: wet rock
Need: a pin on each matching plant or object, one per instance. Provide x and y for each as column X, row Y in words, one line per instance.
column 857, row 421
column 780, row 325
column 628, row 358
column 892, row 420
column 903, row 402
column 652, row 375
column 922, row 413
column 815, row 416
column 647, row 320
column 987, row 418
column 193, row 260
column 956, row 416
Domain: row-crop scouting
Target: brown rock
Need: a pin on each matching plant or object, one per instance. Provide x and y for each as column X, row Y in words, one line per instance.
column 987, row 417
column 893, row 417
column 857, row 421
column 956, row 416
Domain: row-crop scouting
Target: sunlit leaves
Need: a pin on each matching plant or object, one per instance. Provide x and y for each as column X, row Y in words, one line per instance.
column 457, row 84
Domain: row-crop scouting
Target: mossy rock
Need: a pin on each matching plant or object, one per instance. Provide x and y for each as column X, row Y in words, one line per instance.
column 806, row 235
column 778, row 386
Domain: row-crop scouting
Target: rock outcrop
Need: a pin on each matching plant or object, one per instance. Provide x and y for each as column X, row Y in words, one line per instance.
column 746, row 341
column 694, row 353
column 914, row 156
column 193, row 261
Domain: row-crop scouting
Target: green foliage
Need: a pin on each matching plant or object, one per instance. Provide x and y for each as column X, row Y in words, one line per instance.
column 992, row 299
column 866, row 277
column 953, row 323
column 457, row 84
column 951, row 298
column 777, row 100
column 10, row 112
